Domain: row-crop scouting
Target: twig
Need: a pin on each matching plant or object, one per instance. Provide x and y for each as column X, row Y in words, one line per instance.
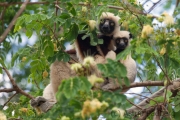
column 167, row 111
column 154, row 6
column 36, row 84
column 56, row 10
column 3, row 36
column 2, row 13
column 146, row 86
column 51, row 29
column 9, row 100
column 57, row 6
column 2, row 20
column 134, row 104
column 143, row 96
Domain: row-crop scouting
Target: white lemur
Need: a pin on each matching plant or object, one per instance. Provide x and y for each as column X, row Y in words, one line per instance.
column 60, row 70
column 122, row 41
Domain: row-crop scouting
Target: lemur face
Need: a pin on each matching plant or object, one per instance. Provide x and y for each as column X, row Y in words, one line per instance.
column 121, row 43
column 121, row 40
column 106, row 26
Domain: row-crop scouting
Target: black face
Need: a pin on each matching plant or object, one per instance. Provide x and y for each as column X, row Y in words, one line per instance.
column 121, row 44
column 106, row 26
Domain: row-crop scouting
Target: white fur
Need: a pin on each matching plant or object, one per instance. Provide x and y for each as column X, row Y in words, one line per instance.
column 129, row 63
column 58, row 71
column 79, row 53
column 49, row 94
column 111, row 16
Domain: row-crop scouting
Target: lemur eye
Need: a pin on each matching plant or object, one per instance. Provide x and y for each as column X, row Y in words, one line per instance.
column 101, row 21
column 112, row 24
column 117, row 41
column 126, row 40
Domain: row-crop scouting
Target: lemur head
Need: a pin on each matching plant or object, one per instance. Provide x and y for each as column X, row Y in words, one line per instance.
column 121, row 40
column 108, row 24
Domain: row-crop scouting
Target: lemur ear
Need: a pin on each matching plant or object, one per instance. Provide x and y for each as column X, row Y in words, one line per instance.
column 130, row 36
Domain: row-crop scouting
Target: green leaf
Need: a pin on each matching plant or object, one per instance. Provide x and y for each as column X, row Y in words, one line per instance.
column 144, row 48
column 86, row 85
column 100, row 41
column 73, row 32
column 71, row 9
column 73, row 86
column 28, row 19
column 0, row 70
column 124, row 53
column 52, row 59
column 159, row 99
column 15, row 56
column 85, row 36
column 177, row 108
column 20, row 21
column 36, row 65
column 113, row 69
column 93, row 38
column 63, row 56
column 177, row 101
column 29, row 32
column 126, row 81
column 76, row 104
column 49, row 51
column 64, row 16
column 120, row 98
column 42, row 16
column 2, row 62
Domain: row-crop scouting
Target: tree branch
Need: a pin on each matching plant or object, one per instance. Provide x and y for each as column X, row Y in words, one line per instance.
column 80, row 3
column 143, row 84
column 7, row 90
column 146, row 113
column 15, row 87
column 9, row 99
column 3, row 36
column 173, row 88
column 134, row 104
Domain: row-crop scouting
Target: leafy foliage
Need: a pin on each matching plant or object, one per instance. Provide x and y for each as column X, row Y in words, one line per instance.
column 156, row 55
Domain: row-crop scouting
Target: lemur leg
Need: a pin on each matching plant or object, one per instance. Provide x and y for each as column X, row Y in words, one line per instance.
column 110, row 83
column 45, row 102
column 48, row 94
column 59, row 71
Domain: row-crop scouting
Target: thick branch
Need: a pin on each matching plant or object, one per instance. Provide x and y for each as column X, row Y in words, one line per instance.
column 173, row 88
column 7, row 90
column 3, row 36
column 15, row 87
column 143, row 84
column 146, row 113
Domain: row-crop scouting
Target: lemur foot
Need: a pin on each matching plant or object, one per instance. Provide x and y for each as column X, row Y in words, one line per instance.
column 109, row 86
column 43, row 104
